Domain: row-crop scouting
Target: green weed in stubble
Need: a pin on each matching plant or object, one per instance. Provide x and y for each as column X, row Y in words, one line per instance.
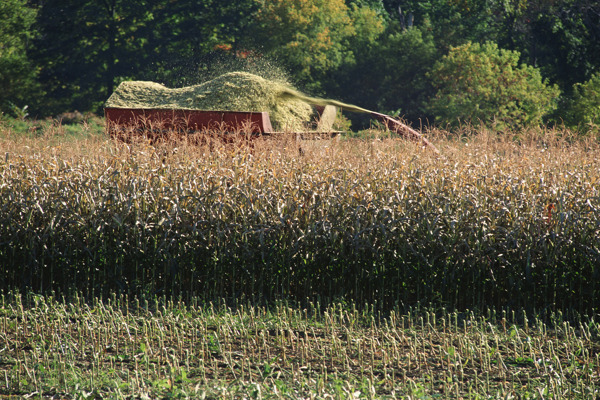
column 260, row 349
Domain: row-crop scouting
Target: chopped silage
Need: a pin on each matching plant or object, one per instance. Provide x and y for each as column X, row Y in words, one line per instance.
column 234, row 91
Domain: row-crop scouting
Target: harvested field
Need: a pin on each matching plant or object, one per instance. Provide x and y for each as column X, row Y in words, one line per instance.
column 161, row 349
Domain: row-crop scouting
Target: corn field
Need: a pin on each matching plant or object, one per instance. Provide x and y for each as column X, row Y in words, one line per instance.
column 493, row 222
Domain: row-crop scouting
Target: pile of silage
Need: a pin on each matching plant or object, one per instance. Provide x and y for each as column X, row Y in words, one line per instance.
column 234, row 91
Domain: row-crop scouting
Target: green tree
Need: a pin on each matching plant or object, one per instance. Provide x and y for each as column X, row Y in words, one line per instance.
column 84, row 46
column 390, row 74
column 18, row 86
column 188, row 40
column 453, row 22
column 403, row 86
column 481, row 83
column 87, row 47
column 583, row 108
column 313, row 37
column 562, row 38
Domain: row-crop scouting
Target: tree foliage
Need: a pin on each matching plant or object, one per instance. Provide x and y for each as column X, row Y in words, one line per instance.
column 84, row 46
column 17, row 74
column 312, row 37
column 389, row 75
column 484, row 83
column 562, row 38
column 59, row 56
column 187, row 36
column 583, row 109
column 87, row 46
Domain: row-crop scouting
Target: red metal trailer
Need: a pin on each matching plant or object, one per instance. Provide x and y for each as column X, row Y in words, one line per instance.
column 186, row 120
column 127, row 123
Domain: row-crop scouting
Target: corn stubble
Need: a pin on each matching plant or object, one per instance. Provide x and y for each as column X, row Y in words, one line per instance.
column 119, row 348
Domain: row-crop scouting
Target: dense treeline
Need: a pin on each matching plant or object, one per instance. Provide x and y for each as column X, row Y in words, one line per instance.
column 517, row 62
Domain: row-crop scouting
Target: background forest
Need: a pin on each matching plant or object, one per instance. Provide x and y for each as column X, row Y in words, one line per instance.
column 513, row 62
